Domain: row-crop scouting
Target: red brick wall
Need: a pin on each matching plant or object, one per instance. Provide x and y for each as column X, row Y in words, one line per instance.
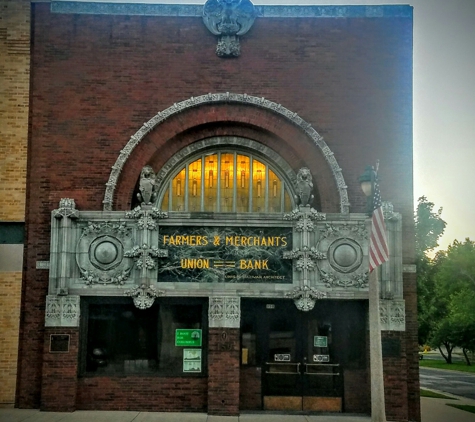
column 60, row 373
column 223, row 371
column 412, row 349
column 395, row 379
column 96, row 79
column 154, row 394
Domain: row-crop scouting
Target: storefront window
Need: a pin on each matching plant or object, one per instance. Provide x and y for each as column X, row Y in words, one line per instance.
column 226, row 182
column 122, row 339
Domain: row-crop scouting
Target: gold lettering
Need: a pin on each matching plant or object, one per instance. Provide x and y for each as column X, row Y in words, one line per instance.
column 242, row 264
column 165, row 237
column 284, row 241
column 199, row 263
column 229, row 240
column 264, row 264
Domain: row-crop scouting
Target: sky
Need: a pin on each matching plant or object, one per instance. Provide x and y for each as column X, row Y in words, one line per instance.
column 444, row 105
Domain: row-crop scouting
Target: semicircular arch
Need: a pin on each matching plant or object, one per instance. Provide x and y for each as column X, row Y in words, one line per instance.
column 229, row 98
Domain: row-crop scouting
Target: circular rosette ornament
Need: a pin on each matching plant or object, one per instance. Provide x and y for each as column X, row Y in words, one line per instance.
column 100, row 253
column 343, row 266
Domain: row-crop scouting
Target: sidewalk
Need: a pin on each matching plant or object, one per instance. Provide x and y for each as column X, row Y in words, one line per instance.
column 433, row 410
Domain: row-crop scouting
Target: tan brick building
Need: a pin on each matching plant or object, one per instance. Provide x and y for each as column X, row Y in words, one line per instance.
column 14, row 100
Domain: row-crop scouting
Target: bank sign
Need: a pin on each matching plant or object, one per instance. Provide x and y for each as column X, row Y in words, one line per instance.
column 225, row 254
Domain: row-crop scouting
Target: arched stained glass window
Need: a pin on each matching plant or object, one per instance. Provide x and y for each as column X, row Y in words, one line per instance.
column 227, row 182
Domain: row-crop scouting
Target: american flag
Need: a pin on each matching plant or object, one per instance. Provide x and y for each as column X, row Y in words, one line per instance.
column 378, row 244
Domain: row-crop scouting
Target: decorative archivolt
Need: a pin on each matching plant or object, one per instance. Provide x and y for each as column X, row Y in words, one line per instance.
column 232, row 99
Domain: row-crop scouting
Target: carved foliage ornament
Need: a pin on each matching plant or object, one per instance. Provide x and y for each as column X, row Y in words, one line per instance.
column 62, row 311
column 229, row 19
column 144, row 295
column 67, row 209
column 146, row 219
column 224, row 312
column 304, row 297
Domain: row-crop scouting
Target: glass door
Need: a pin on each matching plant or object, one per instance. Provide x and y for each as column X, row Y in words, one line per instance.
column 295, row 352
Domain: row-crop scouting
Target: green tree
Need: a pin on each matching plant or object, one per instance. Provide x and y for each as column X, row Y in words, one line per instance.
column 429, row 227
column 453, row 304
column 462, row 320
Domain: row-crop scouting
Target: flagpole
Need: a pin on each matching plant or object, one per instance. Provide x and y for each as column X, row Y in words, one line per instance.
column 377, row 230
column 378, row 411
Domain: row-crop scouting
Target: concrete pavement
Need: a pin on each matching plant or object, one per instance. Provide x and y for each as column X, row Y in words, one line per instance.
column 433, row 410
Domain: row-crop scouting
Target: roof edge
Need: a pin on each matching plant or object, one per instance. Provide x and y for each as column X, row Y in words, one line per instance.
column 196, row 10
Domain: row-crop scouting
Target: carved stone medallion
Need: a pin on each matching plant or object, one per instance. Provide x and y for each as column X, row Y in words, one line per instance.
column 229, row 19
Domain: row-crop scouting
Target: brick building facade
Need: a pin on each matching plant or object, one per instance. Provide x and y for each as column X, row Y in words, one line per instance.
column 14, row 102
column 184, row 213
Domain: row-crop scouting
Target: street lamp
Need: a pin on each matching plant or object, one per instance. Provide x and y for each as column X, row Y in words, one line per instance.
column 378, row 411
column 367, row 186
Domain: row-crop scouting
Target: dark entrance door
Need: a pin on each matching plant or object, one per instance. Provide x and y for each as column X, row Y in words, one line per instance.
column 301, row 361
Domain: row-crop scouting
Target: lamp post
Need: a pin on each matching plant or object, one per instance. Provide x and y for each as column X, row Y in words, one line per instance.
column 378, row 411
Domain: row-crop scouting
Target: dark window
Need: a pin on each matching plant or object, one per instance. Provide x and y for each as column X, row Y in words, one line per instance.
column 11, row 233
column 122, row 339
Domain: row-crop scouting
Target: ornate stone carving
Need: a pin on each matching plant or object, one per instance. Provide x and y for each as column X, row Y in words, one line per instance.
column 53, row 311
column 227, row 98
column 388, row 210
column 304, row 297
column 67, row 209
column 305, row 217
column 145, row 257
column 343, row 243
column 94, row 277
column 103, row 227
column 62, row 311
column 224, row 312
column 304, row 187
column 229, row 19
column 146, row 218
column 392, row 315
column 345, row 255
column 147, row 186
column 330, row 279
column 144, row 295
column 100, row 253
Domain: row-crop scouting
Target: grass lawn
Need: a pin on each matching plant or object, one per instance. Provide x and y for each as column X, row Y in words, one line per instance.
column 440, row 364
column 433, row 395
column 465, row 407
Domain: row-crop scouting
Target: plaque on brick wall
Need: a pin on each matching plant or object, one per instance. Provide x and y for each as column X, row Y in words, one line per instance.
column 391, row 347
column 59, row 343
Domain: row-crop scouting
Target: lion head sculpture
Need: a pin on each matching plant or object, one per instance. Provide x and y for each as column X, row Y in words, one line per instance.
column 304, row 187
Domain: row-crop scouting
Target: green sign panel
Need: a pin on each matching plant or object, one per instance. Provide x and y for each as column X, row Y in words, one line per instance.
column 188, row 337
column 320, row 341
